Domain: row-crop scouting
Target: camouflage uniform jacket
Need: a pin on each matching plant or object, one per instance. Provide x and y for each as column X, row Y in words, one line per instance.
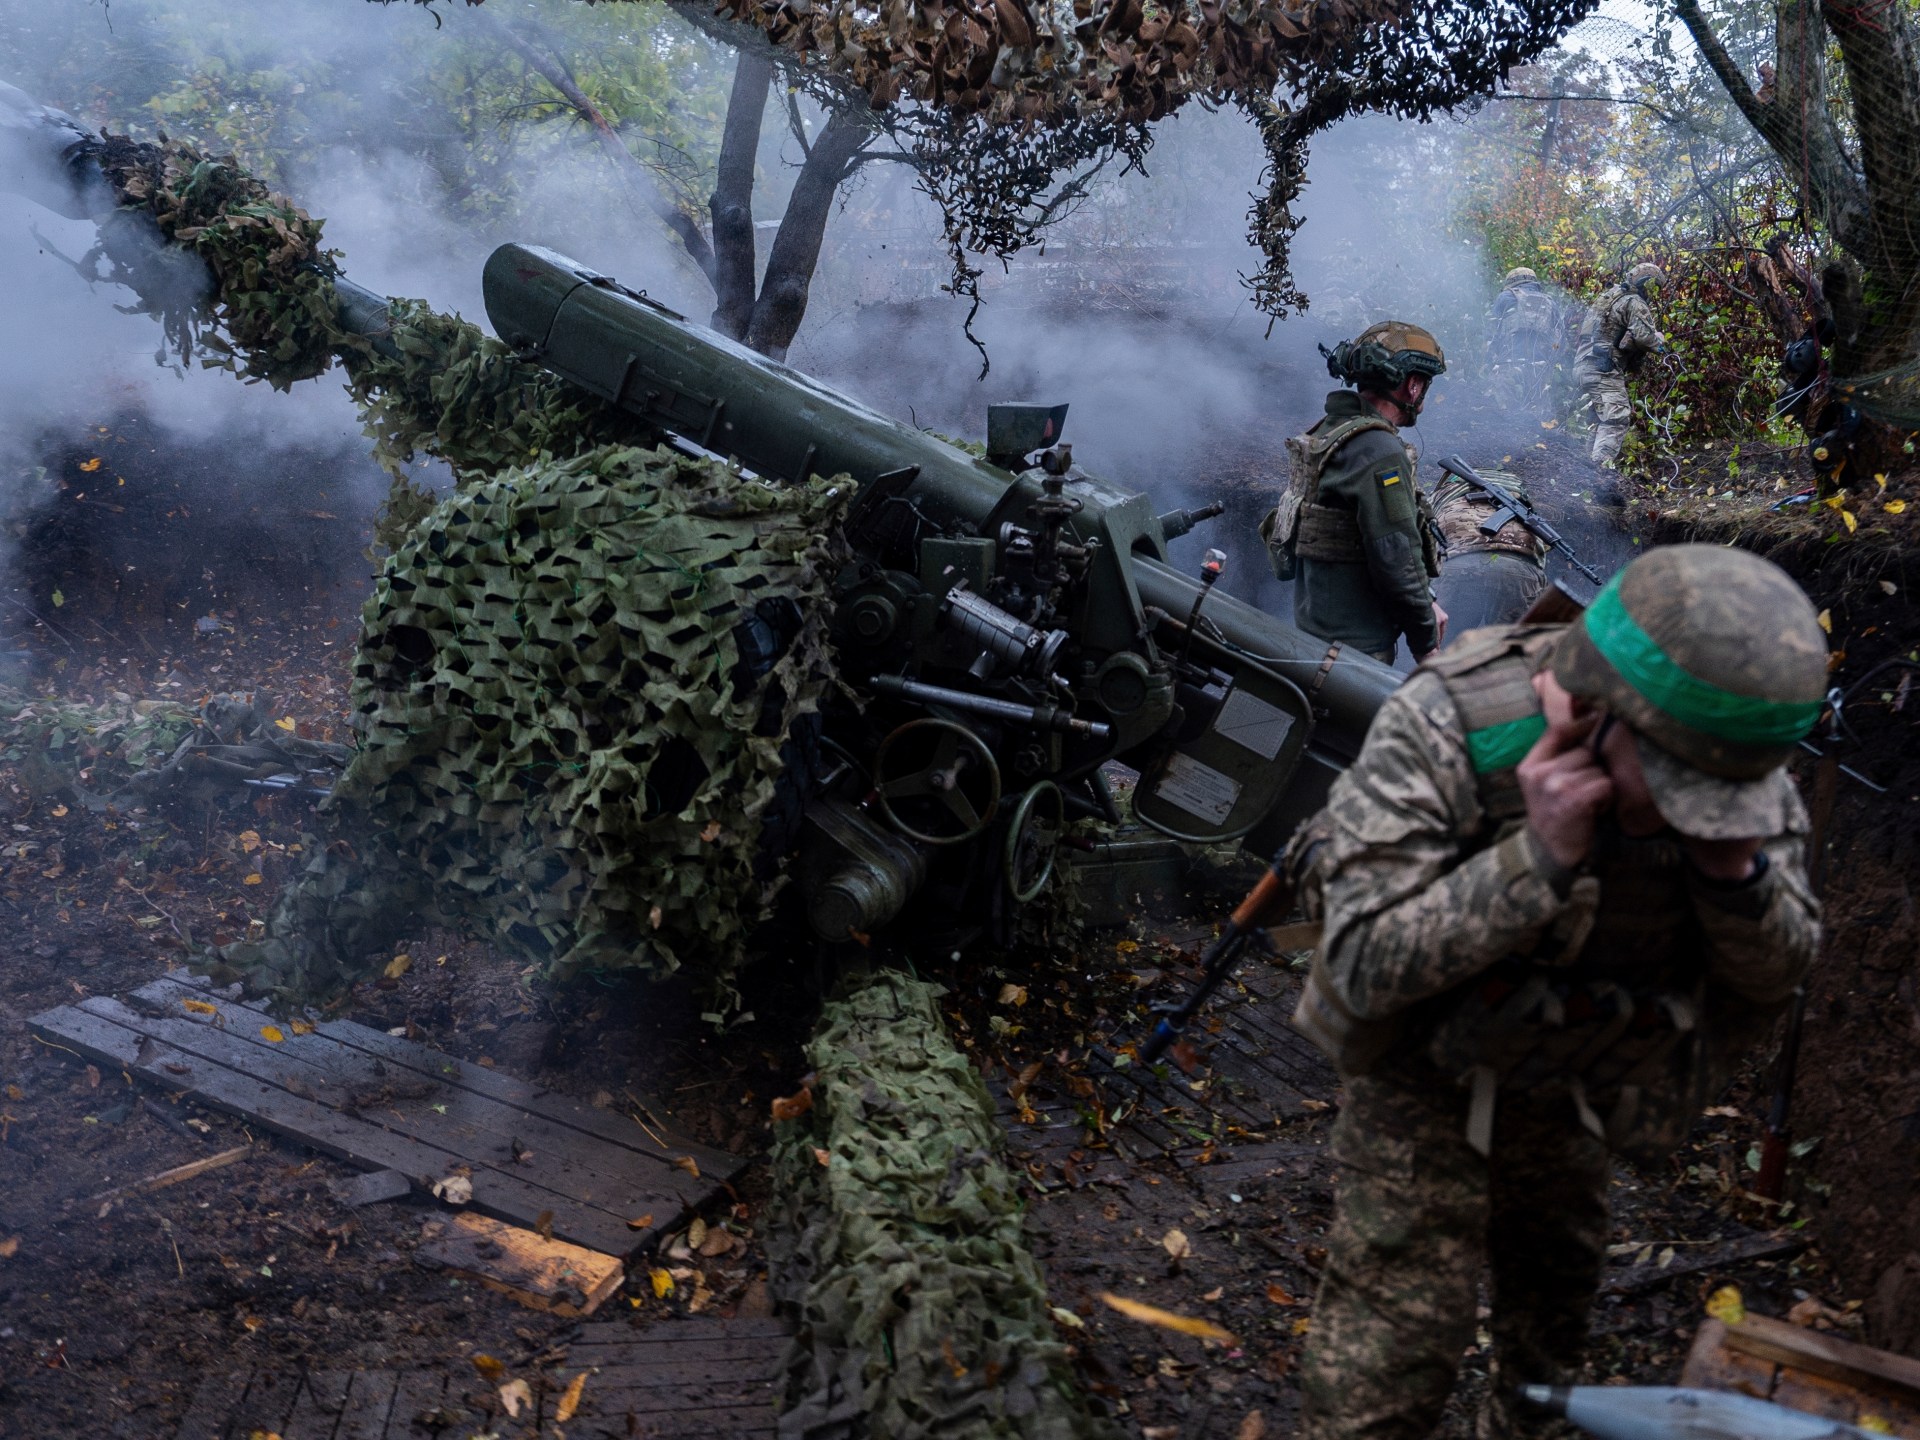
column 1620, row 325
column 1374, row 587
column 1442, row 909
column 1460, row 508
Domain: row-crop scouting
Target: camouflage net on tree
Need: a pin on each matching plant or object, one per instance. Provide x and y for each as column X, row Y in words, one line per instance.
column 921, row 1311
column 576, row 683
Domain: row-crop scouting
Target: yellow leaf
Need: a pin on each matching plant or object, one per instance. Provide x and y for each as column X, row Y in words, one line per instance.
column 688, row 1164
column 89, row 466
column 1852, row 524
column 1302, row 1325
column 59, row 812
column 273, row 1033
column 1834, row 502
column 1726, row 1306
column 286, row 722
column 1013, row 994
column 199, row 1007
column 570, row 1401
column 249, row 841
column 397, row 966
column 1166, row 1319
column 641, row 1222
column 251, row 880
column 1895, row 507
column 662, row 1283
column 1176, row 1244
column 1878, row 1424
column 1825, row 617
column 1881, row 481
column 301, row 1027
column 490, row 1367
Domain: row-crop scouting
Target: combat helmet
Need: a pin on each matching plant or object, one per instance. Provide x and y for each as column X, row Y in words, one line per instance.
column 1644, row 274
column 1716, row 660
column 1519, row 275
column 1383, row 355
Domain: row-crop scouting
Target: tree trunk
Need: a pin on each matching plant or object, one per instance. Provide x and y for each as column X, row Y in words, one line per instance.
column 796, row 247
column 732, row 201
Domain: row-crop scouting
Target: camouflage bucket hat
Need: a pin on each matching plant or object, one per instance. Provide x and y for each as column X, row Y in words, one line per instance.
column 1715, row 658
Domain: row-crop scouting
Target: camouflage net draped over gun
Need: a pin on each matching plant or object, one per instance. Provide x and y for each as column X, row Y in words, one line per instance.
column 921, row 1310
column 577, row 684
column 434, row 383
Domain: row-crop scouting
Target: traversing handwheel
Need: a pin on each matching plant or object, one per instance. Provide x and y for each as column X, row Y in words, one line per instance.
column 1033, row 839
column 936, row 781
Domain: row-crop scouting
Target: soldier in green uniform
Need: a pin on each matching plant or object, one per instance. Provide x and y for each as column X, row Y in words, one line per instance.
column 1485, row 579
column 1562, row 886
column 1617, row 335
column 1349, row 530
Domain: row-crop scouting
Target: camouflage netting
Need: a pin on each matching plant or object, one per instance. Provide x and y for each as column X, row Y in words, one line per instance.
column 576, row 684
column 896, row 1243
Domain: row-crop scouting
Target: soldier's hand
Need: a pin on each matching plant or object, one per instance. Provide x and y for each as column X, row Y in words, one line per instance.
column 1565, row 788
column 1439, row 625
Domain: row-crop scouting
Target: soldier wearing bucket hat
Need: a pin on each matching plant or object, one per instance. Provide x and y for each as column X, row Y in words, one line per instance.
column 1563, row 887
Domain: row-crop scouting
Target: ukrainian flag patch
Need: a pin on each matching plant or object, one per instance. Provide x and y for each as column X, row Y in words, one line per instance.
column 1389, row 477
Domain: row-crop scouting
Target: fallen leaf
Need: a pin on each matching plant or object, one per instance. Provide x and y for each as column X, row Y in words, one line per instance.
column 273, row 1033
column 1895, row 507
column 1852, row 523
column 1254, row 1427
column 1013, row 994
column 543, row 1224
column 1166, row 1319
column 718, row 1242
column 696, row 1233
column 490, row 1367
column 688, row 1164
column 1176, row 1244
column 1279, row 1296
column 1024, row 1080
column 398, row 966
column 59, row 812
column 662, row 1283
column 199, row 1007
column 825, row 1157
column 513, row 1395
column 9, row 1247
column 286, row 722
column 1315, row 1105
column 570, row 1399
column 641, row 1223
column 253, row 879
column 1726, row 1306
column 1825, row 618
column 792, row 1107
column 87, row 467
column 712, row 831
column 1725, row 1112
column 93, row 1077
column 249, row 841
column 300, row 1027
column 454, row 1189
column 1066, row 1317
column 1889, row 587
column 1877, row 1424
column 1302, row 1325
column 1214, row 1294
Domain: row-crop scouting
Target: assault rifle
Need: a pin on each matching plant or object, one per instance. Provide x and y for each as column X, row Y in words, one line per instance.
column 1513, row 508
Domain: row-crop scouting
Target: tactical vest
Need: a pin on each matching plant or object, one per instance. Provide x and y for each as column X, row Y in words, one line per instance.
column 1459, row 509
column 1608, row 1002
column 1300, row 524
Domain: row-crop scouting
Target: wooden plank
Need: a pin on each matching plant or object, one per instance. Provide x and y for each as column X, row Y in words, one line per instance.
column 495, row 1193
column 561, row 1159
column 416, row 1406
column 541, row 1274
column 496, row 1085
column 674, row 1332
column 684, row 1353
column 1818, row 1353
column 1816, row 1395
column 213, row 1402
column 598, row 1424
column 270, row 1396
column 368, row 1404
column 1711, row 1366
column 316, row 1411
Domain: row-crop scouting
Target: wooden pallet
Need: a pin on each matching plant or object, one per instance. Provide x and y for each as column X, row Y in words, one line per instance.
column 1806, row 1370
column 698, row 1377
column 385, row 1103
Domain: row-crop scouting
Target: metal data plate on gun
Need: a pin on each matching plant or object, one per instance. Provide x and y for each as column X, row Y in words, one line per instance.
column 1219, row 785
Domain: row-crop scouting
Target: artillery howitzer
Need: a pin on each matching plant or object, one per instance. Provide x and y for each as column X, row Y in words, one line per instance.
column 1002, row 627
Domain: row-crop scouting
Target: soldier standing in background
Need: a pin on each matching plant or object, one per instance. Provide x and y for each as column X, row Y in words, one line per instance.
column 1351, row 529
column 1617, row 335
column 1562, row 886
column 1485, row 579
column 1523, row 339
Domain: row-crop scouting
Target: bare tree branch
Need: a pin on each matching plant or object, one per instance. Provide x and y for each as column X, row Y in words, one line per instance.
column 732, row 201
column 796, row 245
column 551, row 69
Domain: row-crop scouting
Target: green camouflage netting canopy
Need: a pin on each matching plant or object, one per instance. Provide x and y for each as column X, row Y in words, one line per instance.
column 575, row 684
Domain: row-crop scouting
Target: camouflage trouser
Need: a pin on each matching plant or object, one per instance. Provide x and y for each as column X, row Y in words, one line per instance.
column 1417, row 1214
column 1487, row 587
column 1612, row 411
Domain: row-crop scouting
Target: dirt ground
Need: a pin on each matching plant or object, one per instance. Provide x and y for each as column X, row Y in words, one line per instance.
column 111, row 1314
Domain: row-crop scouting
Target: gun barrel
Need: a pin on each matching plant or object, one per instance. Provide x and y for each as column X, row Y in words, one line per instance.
column 783, row 424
